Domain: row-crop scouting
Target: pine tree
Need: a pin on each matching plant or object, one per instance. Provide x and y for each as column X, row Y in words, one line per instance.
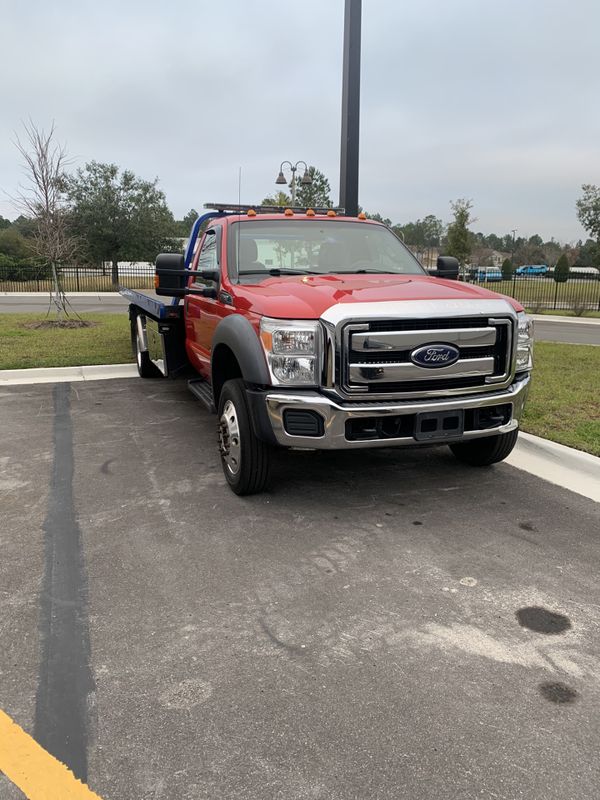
column 459, row 244
column 315, row 194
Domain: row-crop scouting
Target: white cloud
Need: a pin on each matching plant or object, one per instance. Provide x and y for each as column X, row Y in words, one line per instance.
column 460, row 98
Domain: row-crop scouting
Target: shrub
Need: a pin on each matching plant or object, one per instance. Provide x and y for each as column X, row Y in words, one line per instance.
column 561, row 270
column 508, row 269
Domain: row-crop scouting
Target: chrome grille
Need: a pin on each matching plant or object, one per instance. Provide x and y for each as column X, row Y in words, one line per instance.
column 376, row 356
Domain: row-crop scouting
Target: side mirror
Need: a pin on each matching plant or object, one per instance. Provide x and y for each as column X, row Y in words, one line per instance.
column 169, row 279
column 447, row 267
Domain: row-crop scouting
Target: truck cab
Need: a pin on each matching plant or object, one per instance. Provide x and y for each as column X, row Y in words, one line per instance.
column 305, row 328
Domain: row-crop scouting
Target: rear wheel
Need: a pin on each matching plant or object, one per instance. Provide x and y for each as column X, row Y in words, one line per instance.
column 485, row 451
column 246, row 460
column 145, row 367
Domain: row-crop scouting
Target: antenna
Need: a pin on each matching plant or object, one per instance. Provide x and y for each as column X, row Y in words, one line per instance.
column 237, row 255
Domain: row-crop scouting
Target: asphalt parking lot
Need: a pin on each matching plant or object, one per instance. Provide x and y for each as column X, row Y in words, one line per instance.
column 379, row 625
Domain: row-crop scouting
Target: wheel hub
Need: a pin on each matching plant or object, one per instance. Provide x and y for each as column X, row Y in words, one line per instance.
column 229, row 438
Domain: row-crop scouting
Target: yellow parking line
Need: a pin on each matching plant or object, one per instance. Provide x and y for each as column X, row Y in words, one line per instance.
column 35, row 772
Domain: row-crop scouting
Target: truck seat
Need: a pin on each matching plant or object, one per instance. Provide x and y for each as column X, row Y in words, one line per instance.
column 249, row 255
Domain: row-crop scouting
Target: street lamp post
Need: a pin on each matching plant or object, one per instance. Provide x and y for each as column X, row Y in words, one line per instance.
column 514, row 233
column 305, row 180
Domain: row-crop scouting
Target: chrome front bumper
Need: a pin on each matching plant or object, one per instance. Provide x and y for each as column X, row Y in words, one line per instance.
column 335, row 415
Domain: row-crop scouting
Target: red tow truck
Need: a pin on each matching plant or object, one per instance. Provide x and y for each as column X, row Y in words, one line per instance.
column 306, row 328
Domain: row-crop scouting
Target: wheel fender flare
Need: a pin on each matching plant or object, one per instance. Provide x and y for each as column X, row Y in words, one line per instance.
column 240, row 337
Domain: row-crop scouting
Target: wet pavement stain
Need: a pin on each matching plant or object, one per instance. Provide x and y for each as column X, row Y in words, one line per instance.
column 541, row 620
column 526, row 526
column 558, row 693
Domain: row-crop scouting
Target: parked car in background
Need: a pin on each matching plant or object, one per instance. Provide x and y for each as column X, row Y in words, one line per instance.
column 532, row 269
column 486, row 274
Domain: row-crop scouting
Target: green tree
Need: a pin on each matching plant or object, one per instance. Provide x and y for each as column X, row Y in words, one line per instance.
column 507, row 269
column 552, row 251
column 588, row 210
column 459, row 244
column 561, row 270
column 118, row 216
column 184, row 226
column 4, row 223
column 588, row 255
column 25, row 226
column 13, row 244
column 280, row 199
column 378, row 218
column 315, row 194
column 433, row 230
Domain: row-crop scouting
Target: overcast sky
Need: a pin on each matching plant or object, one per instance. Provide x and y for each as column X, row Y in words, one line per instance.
column 494, row 101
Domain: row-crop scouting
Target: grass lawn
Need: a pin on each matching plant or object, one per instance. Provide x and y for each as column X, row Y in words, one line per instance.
column 538, row 294
column 564, row 402
column 107, row 342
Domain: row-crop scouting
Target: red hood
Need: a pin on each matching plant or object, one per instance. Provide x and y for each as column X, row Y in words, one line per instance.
column 308, row 297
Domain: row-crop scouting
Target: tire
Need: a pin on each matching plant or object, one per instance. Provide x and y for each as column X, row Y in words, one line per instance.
column 145, row 367
column 485, row 451
column 246, row 460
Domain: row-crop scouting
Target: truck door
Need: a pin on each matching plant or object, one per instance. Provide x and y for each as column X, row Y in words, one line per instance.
column 202, row 314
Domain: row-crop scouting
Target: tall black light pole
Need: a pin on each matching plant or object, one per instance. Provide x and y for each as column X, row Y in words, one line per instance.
column 350, row 108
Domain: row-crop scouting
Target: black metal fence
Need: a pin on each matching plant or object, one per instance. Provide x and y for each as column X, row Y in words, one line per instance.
column 75, row 278
column 578, row 294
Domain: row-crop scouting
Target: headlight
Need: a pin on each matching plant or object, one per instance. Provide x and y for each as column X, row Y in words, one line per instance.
column 293, row 349
column 524, row 342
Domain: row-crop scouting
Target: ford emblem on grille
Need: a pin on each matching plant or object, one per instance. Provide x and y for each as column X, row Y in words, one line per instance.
column 435, row 355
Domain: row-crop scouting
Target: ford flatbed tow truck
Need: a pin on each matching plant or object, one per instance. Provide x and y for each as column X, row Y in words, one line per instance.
column 305, row 328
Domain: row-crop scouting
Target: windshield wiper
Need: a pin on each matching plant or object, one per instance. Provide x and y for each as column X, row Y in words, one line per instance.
column 276, row 272
column 362, row 271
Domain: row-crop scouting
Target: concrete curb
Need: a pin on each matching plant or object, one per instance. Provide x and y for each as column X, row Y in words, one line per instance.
column 101, row 372
column 564, row 466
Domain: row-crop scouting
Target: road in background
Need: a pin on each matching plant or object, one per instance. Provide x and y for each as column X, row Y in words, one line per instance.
column 380, row 624
column 576, row 332
column 22, row 304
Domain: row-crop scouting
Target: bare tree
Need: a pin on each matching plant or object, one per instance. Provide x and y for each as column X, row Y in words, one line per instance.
column 42, row 198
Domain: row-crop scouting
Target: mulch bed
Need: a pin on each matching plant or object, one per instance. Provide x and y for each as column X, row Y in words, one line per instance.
column 60, row 323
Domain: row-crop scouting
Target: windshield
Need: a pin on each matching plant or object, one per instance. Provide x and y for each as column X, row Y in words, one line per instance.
column 315, row 247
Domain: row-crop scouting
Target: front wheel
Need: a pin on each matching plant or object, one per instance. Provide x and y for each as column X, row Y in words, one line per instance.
column 486, row 451
column 246, row 460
